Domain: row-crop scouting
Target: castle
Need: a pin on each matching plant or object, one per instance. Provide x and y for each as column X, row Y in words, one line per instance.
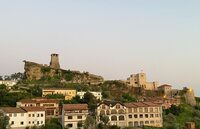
column 55, row 61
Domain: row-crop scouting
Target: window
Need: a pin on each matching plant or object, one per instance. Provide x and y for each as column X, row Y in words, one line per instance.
column 136, row 124
column 42, row 115
column 15, row 115
column 129, row 110
column 135, row 110
column 146, row 109
column 152, row 122
column 33, row 115
column 41, row 122
column 135, row 116
column 29, row 115
column 10, row 115
column 156, row 109
column 22, row 123
column 140, row 110
column 157, row 115
column 151, row 109
column 113, row 118
column 146, row 116
column 79, row 117
column 69, row 117
column 114, row 111
column 151, row 115
column 102, row 112
column 29, row 122
column 141, row 123
column 38, row 122
column 121, row 111
column 117, row 106
column 121, row 118
column 103, row 106
column 79, row 124
column 130, row 116
column 22, row 114
column 38, row 115
column 141, row 115
column 12, row 122
column 33, row 122
column 147, row 122
column 70, row 125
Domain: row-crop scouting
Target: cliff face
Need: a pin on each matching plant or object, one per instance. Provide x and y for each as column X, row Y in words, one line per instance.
column 35, row 71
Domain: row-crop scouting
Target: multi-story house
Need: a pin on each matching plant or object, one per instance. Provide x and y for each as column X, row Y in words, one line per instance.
column 116, row 112
column 139, row 80
column 131, row 114
column 74, row 115
column 166, row 89
column 98, row 95
column 68, row 93
column 51, row 105
column 20, row 118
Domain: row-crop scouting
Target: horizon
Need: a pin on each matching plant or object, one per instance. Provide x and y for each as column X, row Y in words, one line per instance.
column 110, row 39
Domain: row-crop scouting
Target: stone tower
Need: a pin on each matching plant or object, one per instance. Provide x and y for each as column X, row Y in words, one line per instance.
column 55, row 61
column 190, row 97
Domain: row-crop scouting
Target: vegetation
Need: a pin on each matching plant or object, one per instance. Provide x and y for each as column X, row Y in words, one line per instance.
column 4, row 121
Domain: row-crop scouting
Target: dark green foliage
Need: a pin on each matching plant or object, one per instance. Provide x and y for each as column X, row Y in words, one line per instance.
column 175, row 110
column 4, row 121
column 127, row 98
column 90, row 123
column 91, row 100
column 55, row 96
column 68, row 75
column 105, row 119
column 45, row 69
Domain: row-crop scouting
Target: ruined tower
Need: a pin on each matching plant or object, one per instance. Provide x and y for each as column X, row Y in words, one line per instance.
column 55, row 61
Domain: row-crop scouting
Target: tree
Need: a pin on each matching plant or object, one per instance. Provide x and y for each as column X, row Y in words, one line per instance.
column 90, row 123
column 91, row 100
column 4, row 121
column 127, row 98
column 1, row 77
column 104, row 119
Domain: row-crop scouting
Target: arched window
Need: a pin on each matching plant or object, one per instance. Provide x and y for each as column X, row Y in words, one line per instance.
column 121, row 118
column 113, row 118
column 136, row 124
column 130, row 124
column 108, row 112
column 113, row 111
column 102, row 112
column 121, row 111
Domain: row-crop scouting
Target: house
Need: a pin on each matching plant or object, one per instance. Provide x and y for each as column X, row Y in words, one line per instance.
column 131, row 114
column 68, row 93
column 20, row 118
column 51, row 105
column 8, row 83
column 74, row 115
column 97, row 95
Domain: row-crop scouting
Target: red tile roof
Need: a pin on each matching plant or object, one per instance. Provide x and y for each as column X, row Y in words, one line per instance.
column 27, row 101
column 141, row 104
column 70, row 107
column 33, row 109
column 13, row 110
column 44, row 100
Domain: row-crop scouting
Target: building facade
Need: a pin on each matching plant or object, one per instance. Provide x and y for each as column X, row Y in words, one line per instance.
column 68, row 93
column 51, row 105
column 139, row 80
column 74, row 115
column 166, row 89
column 131, row 114
column 97, row 95
column 8, row 83
column 20, row 118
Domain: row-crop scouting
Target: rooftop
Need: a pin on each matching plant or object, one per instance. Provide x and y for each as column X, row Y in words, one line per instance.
column 13, row 110
column 33, row 109
column 71, row 107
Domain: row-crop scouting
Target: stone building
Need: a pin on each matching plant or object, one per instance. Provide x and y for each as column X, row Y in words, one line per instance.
column 166, row 89
column 55, row 61
column 140, row 80
column 131, row 114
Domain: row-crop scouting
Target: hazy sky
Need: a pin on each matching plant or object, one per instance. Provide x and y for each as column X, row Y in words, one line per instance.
column 112, row 38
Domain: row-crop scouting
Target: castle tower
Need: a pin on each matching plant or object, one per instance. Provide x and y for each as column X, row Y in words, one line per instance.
column 55, row 61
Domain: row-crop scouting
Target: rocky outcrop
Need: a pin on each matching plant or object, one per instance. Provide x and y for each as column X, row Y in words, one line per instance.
column 35, row 71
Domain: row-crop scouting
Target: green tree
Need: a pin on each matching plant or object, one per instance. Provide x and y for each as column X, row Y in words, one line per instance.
column 4, row 121
column 104, row 119
column 91, row 100
column 90, row 123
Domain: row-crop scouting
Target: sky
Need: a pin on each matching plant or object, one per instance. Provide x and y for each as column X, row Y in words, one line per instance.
column 111, row 38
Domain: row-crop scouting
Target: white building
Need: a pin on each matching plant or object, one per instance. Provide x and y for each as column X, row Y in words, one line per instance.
column 131, row 114
column 20, row 118
column 98, row 95
column 8, row 83
column 74, row 115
